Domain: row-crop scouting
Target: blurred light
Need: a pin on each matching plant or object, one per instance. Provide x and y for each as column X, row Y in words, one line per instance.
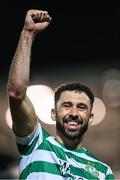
column 36, row 92
column 42, row 98
column 99, row 111
column 110, row 74
column 111, row 92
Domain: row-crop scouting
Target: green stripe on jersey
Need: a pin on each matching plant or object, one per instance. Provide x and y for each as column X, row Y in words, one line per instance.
column 63, row 153
column 26, row 150
column 54, row 169
column 40, row 167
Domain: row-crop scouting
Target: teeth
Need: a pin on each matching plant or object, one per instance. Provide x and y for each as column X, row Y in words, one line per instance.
column 74, row 123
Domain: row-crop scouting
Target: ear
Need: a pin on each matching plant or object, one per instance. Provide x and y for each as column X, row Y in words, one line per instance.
column 53, row 114
column 91, row 118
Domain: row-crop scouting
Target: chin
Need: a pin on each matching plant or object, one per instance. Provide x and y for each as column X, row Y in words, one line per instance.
column 78, row 134
column 71, row 135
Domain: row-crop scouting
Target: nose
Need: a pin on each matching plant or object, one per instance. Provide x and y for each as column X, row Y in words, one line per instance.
column 74, row 112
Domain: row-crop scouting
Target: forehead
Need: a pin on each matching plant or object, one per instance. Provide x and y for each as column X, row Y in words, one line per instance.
column 74, row 96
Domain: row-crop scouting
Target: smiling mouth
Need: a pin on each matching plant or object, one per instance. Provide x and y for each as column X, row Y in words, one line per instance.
column 72, row 125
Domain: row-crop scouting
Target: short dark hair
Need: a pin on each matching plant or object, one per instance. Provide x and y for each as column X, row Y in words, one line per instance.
column 73, row 86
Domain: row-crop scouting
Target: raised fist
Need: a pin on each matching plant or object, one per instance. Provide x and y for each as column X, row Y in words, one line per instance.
column 36, row 20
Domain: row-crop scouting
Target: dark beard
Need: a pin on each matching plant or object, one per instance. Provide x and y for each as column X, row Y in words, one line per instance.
column 72, row 135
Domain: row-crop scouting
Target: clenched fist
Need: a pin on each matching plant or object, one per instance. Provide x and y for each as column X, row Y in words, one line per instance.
column 36, row 20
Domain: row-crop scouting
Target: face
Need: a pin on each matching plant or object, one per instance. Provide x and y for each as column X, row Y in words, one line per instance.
column 72, row 114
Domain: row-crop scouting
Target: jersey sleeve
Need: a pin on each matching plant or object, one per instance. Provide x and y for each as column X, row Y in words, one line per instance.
column 29, row 143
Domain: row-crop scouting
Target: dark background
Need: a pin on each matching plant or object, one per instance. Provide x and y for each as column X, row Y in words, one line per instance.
column 77, row 35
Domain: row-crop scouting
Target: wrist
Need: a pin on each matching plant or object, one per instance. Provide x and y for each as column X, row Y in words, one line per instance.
column 28, row 35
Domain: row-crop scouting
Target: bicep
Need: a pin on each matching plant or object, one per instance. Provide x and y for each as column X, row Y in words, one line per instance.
column 23, row 116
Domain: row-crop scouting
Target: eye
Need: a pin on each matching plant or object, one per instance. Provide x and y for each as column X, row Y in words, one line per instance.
column 66, row 105
column 82, row 107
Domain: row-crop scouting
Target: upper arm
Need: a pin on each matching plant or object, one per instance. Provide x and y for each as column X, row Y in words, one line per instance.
column 23, row 116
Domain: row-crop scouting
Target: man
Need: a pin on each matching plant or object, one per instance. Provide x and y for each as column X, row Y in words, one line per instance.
column 44, row 156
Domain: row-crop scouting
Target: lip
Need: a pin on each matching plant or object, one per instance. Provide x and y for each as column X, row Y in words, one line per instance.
column 72, row 126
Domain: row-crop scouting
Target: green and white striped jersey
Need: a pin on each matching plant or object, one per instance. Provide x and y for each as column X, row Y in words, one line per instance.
column 42, row 157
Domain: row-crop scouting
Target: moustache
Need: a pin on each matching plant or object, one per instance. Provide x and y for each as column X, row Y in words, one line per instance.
column 71, row 118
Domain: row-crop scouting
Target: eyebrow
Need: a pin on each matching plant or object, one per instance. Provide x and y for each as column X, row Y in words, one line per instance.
column 69, row 102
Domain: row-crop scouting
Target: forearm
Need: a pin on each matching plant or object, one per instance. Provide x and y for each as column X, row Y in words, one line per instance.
column 22, row 111
column 20, row 67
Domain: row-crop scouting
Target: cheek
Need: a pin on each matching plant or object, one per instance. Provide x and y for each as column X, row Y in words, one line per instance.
column 61, row 112
column 84, row 116
column 61, row 115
